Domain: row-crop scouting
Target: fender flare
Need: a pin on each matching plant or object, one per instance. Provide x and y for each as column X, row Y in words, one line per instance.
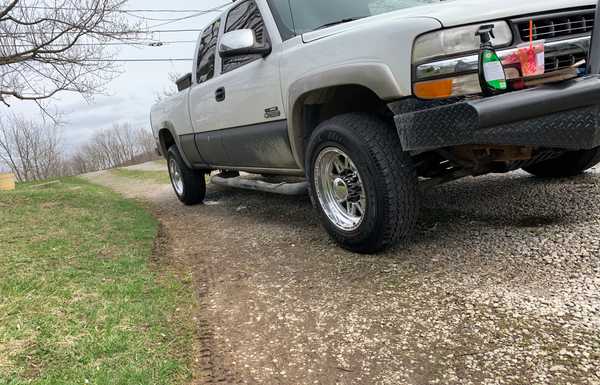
column 375, row 76
column 169, row 127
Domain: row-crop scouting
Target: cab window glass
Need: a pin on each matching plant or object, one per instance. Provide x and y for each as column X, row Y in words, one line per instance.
column 245, row 16
column 301, row 16
column 282, row 13
column 207, row 53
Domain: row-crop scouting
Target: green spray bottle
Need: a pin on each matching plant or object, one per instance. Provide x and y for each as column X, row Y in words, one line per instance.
column 492, row 77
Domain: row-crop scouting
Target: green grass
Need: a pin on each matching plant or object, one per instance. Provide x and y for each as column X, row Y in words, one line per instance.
column 161, row 177
column 80, row 301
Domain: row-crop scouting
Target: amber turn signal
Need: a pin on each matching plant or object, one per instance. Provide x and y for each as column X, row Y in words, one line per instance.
column 448, row 87
column 434, row 89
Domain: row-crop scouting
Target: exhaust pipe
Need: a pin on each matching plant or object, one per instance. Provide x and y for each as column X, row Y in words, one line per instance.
column 594, row 54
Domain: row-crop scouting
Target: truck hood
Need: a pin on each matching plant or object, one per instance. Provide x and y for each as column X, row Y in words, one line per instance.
column 458, row 12
column 453, row 13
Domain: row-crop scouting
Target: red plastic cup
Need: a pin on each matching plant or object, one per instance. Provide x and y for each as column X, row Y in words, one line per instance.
column 532, row 58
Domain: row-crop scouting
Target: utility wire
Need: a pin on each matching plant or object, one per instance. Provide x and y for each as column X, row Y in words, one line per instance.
column 112, row 33
column 197, row 13
column 118, row 10
column 146, row 43
column 135, row 60
column 150, row 18
column 131, row 12
column 219, row 9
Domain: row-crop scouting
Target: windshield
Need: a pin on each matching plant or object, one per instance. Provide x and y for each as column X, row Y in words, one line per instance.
column 300, row 16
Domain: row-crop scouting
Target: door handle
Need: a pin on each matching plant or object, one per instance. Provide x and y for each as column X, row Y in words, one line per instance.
column 220, row 94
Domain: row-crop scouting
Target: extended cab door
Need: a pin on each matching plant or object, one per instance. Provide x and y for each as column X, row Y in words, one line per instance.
column 249, row 107
column 202, row 104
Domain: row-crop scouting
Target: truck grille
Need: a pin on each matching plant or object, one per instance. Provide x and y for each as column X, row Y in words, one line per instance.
column 557, row 26
column 562, row 61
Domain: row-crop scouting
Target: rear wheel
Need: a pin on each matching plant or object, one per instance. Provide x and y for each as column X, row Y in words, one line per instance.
column 361, row 182
column 189, row 184
column 569, row 164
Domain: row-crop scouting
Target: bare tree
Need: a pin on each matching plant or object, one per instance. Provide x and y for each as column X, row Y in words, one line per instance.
column 145, row 142
column 168, row 91
column 52, row 46
column 79, row 164
column 33, row 151
column 118, row 146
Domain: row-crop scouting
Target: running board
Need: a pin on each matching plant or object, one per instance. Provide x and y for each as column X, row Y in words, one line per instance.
column 282, row 188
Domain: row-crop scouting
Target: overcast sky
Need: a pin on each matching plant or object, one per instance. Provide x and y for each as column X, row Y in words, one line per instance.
column 130, row 96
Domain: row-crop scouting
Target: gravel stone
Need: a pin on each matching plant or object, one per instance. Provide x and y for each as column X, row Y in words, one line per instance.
column 501, row 285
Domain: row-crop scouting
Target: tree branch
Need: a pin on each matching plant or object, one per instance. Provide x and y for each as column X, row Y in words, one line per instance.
column 8, row 8
column 51, row 49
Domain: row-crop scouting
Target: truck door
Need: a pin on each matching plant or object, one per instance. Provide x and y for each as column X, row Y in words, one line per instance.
column 249, row 101
column 202, row 105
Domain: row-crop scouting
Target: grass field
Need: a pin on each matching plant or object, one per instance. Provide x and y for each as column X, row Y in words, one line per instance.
column 80, row 301
column 161, row 177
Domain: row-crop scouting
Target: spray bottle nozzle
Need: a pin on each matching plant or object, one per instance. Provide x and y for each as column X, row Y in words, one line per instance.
column 486, row 33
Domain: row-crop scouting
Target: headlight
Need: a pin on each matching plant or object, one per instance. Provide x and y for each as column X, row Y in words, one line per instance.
column 440, row 77
column 458, row 40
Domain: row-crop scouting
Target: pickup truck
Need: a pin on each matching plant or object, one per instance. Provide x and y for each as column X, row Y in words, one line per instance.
column 371, row 101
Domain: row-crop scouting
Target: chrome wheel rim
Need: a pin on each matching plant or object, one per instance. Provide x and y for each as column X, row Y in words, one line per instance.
column 340, row 189
column 176, row 177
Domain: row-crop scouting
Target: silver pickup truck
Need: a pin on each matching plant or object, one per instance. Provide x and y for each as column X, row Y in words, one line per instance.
column 368, row 100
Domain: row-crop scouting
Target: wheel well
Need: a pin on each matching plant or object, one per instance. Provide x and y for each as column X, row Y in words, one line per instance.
column 166, row 140
column 317, row 106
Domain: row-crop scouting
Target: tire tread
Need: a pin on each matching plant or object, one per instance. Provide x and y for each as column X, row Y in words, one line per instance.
column 194, row 184
column 400, row 196
column 568, row 165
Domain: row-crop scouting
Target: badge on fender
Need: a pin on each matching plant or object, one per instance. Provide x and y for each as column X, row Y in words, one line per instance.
column 272, row 112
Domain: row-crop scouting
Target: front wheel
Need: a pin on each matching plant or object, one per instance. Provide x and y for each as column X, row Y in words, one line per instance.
column 569, row 164
column 189, row 185
column 362, row 183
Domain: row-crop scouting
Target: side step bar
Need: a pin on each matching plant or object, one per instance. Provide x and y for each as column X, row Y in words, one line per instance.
column 282, row 188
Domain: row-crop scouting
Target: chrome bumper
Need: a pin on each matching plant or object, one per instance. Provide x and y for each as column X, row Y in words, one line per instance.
column 469, row 64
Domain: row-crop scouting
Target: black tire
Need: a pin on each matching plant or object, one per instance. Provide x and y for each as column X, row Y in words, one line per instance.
column 194, row 184
column 570, row 164
column 388, row 177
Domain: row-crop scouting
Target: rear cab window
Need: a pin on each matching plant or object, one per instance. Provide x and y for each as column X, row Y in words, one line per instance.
column 207, row 53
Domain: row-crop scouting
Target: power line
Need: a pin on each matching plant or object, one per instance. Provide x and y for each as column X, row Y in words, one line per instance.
column 131, row 12
column 12, row 35
column 218, row 9
column 175, row 20
column 153, row 60
column 148, row 43
column 197, row 13
column 150, row 18
column 158, row 31
column 135, row 60
column 118, row 10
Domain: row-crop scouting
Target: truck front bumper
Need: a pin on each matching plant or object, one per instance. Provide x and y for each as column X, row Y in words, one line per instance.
column 564, row 115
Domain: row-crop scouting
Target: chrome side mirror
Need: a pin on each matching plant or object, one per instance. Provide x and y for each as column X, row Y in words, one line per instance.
column 242, row 42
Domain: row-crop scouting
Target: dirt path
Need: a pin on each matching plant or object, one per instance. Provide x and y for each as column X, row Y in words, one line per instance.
column 501, row 286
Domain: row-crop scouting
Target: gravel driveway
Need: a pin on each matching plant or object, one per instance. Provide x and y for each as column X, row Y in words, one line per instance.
column 500, row 286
